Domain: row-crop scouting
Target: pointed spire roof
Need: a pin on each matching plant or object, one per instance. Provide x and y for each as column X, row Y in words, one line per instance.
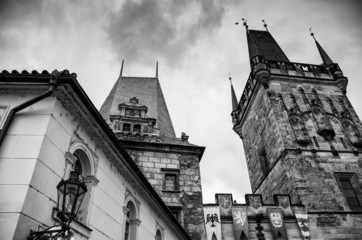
column 263, row 43
column 148, row 91
column 326, row 59
column 234, row 100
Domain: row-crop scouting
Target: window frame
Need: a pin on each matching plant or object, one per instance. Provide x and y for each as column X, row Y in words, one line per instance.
column 174, row 172
column 176, row 210
column 355, row 186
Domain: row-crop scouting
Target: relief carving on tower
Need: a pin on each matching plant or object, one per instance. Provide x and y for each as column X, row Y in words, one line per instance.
column 350, row 128
column 296, row 121
column 324, row 127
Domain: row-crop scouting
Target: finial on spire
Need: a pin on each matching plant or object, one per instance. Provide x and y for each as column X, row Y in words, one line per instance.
column 312, row 33
column 156, row 69
column 265, row 25
column 234, row 100
column 245, row 23
column 120, row 74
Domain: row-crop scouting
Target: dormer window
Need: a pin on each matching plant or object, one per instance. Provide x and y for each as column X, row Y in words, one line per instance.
column 137, row 128
column 126, row 127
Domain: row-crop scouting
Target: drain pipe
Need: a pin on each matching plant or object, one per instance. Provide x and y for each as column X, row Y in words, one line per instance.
column 53, row 83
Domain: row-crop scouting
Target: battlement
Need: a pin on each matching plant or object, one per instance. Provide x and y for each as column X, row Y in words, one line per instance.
column 312, row 72
column 255, row 219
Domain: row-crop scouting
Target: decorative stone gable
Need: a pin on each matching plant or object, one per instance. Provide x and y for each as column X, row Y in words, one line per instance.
column 132, row 122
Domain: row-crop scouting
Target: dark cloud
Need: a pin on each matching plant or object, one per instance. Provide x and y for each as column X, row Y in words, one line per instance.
column 150, row 30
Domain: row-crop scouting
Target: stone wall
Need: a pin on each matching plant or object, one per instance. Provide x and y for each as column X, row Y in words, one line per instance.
column 188, row 196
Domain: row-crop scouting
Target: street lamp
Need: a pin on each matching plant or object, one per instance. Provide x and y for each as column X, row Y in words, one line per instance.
column 70, row 196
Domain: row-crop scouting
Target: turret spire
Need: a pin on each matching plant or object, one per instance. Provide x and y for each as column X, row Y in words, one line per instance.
column 326, row 59
column 262, row 43
column 234, row 100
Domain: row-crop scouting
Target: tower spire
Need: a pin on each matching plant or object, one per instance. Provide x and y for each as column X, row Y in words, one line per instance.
column 234, row 100
column 326, row 59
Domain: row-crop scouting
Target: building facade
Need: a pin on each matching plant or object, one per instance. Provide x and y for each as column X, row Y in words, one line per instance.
column 137, row 113
column 50, row 127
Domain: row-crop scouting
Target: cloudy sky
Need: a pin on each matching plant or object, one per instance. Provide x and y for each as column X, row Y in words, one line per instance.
column 197, row 45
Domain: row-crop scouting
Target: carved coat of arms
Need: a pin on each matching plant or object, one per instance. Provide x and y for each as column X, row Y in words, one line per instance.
column 255, row 201
column 276, row 219
column 225, row 201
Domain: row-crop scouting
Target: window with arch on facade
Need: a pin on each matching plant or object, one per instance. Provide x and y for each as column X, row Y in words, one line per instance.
column 82, row 165
column 158, row 235
column 131, row 221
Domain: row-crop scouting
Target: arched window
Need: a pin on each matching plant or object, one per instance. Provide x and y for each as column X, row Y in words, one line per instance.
column 158, row 235
column 82, row 165
column 131, row 222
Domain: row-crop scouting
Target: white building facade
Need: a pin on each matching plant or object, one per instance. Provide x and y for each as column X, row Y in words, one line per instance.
column 55, row 135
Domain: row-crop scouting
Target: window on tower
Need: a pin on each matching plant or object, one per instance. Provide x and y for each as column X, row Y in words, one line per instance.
column 137, row 128
column 350, row 187
column 170, row 179
column 126, row 127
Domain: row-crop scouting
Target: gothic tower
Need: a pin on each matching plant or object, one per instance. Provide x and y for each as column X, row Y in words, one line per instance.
column 302, row 136
column 137, row 113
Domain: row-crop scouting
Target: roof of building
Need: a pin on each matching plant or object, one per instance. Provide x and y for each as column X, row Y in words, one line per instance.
column 263, row 43
column 148, row 91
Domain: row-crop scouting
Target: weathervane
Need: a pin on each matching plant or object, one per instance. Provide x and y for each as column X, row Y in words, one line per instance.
column 265, row 25
column 245, row 23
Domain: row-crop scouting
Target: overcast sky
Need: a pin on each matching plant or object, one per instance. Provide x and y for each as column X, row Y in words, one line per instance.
column 197, row 45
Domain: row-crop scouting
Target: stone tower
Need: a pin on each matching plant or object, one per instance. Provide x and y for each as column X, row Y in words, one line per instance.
column 302, row 137
column 137, row 113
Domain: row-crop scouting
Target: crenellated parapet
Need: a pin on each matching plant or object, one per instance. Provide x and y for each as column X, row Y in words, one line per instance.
column 265, row 71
